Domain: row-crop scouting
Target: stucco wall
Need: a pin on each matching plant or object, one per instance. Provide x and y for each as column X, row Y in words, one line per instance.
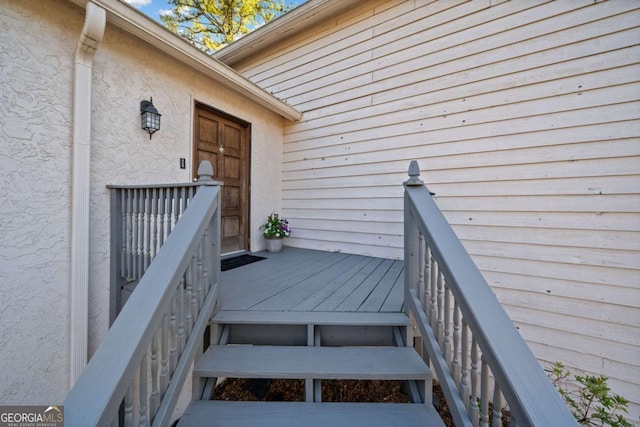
column 35, row 171
column 37, row 43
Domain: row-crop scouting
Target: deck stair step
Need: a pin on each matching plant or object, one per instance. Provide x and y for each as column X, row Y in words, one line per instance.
column 283, row 414
column 239, row 317
column 299, row 362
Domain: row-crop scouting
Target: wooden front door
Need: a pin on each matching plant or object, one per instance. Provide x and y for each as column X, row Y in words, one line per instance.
column 224, row 141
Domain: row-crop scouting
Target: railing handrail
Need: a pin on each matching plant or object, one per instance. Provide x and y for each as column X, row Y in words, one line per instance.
column 100, row 389
column 169, row 185
column 531, row 396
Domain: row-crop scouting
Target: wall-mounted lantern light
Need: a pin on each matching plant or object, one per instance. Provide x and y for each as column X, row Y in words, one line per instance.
column 150, row 117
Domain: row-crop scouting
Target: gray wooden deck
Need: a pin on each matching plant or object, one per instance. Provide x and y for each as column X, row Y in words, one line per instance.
column 302, row 280
column 313, row 315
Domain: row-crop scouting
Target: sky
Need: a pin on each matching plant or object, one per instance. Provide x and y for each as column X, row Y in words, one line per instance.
column 153, row 8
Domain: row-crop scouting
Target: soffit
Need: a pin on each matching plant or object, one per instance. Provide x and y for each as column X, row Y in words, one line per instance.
column 138, row 24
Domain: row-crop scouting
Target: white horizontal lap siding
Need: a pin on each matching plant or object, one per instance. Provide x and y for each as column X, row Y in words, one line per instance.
column 525, row 118
column 468, row 62
column 369, row 225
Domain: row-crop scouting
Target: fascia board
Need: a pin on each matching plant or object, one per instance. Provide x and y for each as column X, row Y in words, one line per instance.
column 136, row 23
column 282, row 28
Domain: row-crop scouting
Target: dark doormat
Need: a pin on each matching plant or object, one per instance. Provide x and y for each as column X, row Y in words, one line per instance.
column 238, row 261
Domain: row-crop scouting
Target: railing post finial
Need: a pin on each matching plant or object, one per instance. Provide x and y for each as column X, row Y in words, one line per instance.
column 414, row 175
column 205, row 171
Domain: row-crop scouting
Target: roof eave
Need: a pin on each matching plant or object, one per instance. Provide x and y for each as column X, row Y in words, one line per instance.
column 136, row 23
column 285, row 26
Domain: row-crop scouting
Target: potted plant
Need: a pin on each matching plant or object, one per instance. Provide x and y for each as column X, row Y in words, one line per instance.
column 274, row 232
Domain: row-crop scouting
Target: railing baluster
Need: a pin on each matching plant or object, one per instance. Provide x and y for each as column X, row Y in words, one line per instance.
column 169, row 196
column 474, row 412
column 128, row 407
column 123, row 250
column 192, row 192
column 464, row 372
column 173, row 328
column 420, row 288
column 176, row 208
column 426, row 298
column 143, row 420
column 497, row 407
column 134, row 234
column 440, row 320
column 154, row 216
column 162, row 202
column 130, row 216
column 202, row 274
column 189, row 297
column 183, row 199
column 181, row 316
column 212, row 261
column 154, row 397
column 206, row 273
column 455, row 362
column 447, row 344
column 164, row 355
column 433, row 315
column 140, row 237
column 484, row 394
column 147, row 229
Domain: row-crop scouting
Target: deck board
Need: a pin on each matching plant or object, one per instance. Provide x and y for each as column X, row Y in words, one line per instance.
column 308, row 280
column 294, row 295
column 297, row 362
column 362, row 292
column 284, row 414
column 326, row 291
column 379, row 294
column 336, row 298
column 278, row 277
column 311, row 318
column 395, row 299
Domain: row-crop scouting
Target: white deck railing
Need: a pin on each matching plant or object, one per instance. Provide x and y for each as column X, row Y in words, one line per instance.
column 475, row 350
column 136, row 375
column 142, row 217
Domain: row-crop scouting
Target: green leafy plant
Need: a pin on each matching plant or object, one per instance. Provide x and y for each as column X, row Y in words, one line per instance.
column 275, row 227
column 589, row 398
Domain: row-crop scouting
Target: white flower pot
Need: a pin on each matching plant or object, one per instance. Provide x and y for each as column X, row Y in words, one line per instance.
column 274, row 244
